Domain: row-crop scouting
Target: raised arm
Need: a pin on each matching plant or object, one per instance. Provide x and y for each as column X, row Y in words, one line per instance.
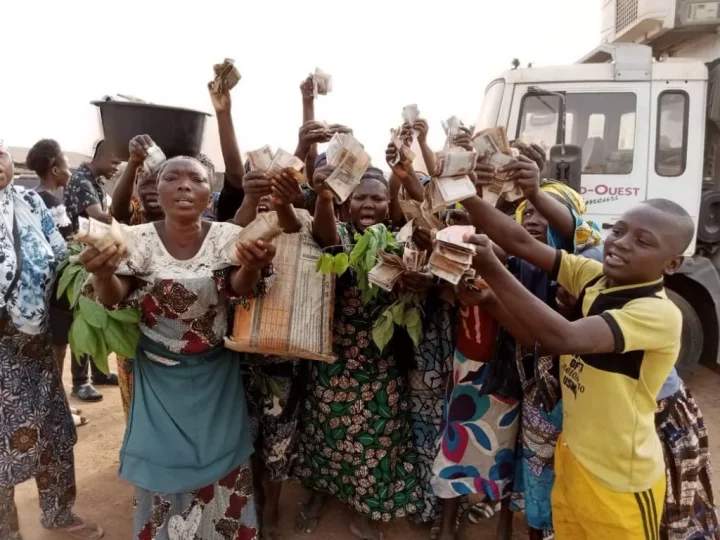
column 256, row 184
column 121, row 208
column 525, row 172
column 404, row 172
column 506, row 233
column 421, row 128
column 285, row 190
column 325, row 222
column 222, row 103
column 554, row 333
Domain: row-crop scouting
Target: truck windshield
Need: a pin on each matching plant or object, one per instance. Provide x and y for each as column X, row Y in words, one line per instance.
column 491, row 105
column 601, row 124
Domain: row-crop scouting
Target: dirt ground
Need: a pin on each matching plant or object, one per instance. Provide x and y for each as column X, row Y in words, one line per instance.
column 105, row 499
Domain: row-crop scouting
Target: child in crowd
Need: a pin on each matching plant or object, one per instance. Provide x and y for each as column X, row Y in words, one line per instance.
column 610, row 479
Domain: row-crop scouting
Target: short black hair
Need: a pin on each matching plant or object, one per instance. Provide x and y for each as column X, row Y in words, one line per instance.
column 685, row 228
column 97, row 149
column 42, row 156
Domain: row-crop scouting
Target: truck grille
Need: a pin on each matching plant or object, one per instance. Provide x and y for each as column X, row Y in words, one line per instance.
column 626, row 12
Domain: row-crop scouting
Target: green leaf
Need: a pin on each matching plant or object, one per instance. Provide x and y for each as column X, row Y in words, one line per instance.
column 82, row 336
column 76, row 288
column 361, row 245
column 125, row 315
column 361, row 377
column 325, row 263
column 398, row 313
column 341, row 263
column 92, row 312
column 100, row 355
column 383, row 330
column 121, row 339
column 412, row 317
column 66, row 278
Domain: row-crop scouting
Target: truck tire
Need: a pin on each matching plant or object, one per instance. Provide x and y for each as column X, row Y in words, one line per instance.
column 691, row 345
column 709, row 219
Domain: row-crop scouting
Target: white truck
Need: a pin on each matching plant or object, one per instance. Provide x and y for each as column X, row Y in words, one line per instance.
column 640, row 116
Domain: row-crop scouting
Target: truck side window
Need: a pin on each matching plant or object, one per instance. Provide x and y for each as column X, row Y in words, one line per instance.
column 672, row 133
column 602, row 124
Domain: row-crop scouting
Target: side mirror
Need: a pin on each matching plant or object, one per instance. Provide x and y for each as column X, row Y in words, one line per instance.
column 565, row 165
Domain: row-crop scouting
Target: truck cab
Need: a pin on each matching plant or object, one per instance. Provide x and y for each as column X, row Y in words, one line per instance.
column 644, row 109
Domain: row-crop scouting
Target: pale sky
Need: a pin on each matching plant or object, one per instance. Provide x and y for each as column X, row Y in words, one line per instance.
column 382, row 54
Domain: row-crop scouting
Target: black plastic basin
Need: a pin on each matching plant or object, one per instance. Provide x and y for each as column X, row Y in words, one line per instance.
column 176, row 131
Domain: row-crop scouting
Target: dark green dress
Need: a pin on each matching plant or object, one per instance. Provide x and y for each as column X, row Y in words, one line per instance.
column 356, row 442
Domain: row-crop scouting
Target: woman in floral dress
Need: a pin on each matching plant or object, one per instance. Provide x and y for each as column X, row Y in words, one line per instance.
column 36, row 430
column 356, row 443
column 187, row 444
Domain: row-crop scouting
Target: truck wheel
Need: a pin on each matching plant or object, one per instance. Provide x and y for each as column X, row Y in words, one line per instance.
column 691, row 345
column 709, row 219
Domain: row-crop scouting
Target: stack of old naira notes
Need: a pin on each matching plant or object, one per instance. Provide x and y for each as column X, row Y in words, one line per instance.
column 493, row 148
column 386, row 273
column 452, row 257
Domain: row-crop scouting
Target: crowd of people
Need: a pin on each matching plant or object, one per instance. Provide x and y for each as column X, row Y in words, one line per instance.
column 546, row 387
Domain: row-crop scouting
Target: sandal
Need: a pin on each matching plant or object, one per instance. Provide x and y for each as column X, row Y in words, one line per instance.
column 83, row 530
column 79, row 420
column 73, row 410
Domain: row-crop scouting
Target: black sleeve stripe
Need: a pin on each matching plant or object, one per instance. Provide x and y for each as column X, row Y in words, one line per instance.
column 556, row 266
column 615, row 329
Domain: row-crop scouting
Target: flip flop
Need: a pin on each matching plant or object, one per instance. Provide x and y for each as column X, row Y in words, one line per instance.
column 73, row 410
column 83, row 530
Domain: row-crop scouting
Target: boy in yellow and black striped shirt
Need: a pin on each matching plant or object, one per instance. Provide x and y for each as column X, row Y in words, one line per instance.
column 610, row 480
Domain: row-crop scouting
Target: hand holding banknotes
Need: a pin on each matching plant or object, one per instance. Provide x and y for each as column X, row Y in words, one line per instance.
column 398, row 161
column 318, row 182
column 285, row 187
column 138, row 148
column 102, row 264
column 254, row 255
column 257, row 184
column 533, row 151
column 463, row 139
column 524, row 171
column 420, row 126
column 307, row 88
column 220, row 98
column 484, row 253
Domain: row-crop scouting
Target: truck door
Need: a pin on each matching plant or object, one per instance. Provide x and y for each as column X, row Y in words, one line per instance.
column 677, row 130
column 609, row 121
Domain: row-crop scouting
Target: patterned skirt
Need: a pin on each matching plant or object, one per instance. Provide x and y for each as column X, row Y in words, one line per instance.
column 125, row 382
column 477, row 446
column 35, row 420
column 275, row 393
column 690, row 511
column 224, row 510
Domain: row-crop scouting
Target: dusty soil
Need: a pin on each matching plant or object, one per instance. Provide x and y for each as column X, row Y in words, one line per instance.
column 105, row 499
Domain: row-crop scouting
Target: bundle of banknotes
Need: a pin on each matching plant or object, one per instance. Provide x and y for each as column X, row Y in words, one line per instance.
column 452, row 257
column 322, row 83
column 263, row 159
column 493, row 148
column 226, row 76
column 350, row 162
column 390, row 268
column 101, row 236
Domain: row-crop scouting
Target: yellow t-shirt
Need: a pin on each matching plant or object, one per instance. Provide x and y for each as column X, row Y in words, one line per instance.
column 609, row 399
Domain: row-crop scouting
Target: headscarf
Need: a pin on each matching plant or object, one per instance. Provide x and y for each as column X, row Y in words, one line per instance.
column 42, row 248
column 587, row 233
